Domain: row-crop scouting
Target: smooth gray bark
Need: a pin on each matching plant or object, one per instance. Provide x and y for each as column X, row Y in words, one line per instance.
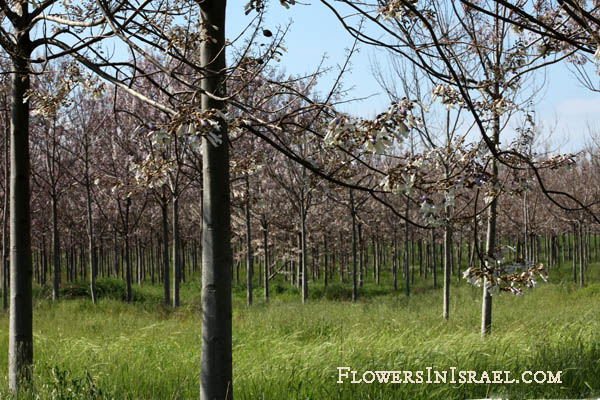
column 216, row 357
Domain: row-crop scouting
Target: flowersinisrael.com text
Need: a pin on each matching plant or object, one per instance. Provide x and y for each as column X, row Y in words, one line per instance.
column 451, row 375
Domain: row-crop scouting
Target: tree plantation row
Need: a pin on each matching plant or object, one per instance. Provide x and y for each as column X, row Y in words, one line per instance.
column 143, row 142
column 424, row 260
column 113, row 198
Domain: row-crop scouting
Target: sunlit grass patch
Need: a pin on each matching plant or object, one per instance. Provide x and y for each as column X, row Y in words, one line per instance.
column 286, row 350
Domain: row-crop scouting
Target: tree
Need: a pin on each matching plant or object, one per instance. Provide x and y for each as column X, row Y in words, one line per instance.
column 20, row 354
column 216, row 360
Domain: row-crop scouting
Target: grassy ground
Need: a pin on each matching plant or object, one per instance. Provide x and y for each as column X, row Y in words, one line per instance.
column 283, row 350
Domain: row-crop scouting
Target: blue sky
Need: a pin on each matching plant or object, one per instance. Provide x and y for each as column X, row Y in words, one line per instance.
column 563, row 106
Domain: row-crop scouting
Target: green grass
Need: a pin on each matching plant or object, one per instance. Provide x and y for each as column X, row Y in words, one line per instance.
column 284, row 350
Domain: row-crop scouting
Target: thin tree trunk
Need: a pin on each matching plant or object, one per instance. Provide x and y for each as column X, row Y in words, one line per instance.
column 249, row 255
column 127, row 253
column 360, row 255
column 138, row 261
column 433, row 260
column 394, row 262
column 266, row 261
column 165, row 253
column 326, row 258
column 303, row 250
column 176, row 252
column 115, row 254
column 574, row 255
column 5, row 218
column 44, row 261
column 406, row 273
column 90, row 224
column 152, row 260
column 181, row 258
column 459, row 253
column 376, row 261
column 582, row 256
column 354, row 255
column 447, row 266
column 55, row 248
column 420, row 250
column 490, row 244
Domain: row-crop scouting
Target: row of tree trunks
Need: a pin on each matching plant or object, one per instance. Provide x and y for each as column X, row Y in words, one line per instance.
column 145, row 259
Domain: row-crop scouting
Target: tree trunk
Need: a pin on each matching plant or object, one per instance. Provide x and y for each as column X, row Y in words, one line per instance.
column 176, row 253
column 90, row 224
column 216, row 357
column 152, row 262
column 490, row 244
column 115, row 254
column 406, row 273
column 420, row 250
column 127, row 253
column 433, row 260
column 582, row 256
column 299, row 262
column 574, row 255
column 354, row 260
column 165, row 253
column 20, row 347
column 376, row 261
column 266, row 269
column 325, row 259
column 447, row 264
column 44, row 261
column 55, row 248
column 303, row 250
column 249, row 255
column 5, row 221
column 138, row 261
column 459, row 252
column 181, row 257
column 526, row 228
column 360, row 256
column 394, row 262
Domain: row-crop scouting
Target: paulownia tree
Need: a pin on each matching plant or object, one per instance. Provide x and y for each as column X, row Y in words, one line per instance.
column 472, row 59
